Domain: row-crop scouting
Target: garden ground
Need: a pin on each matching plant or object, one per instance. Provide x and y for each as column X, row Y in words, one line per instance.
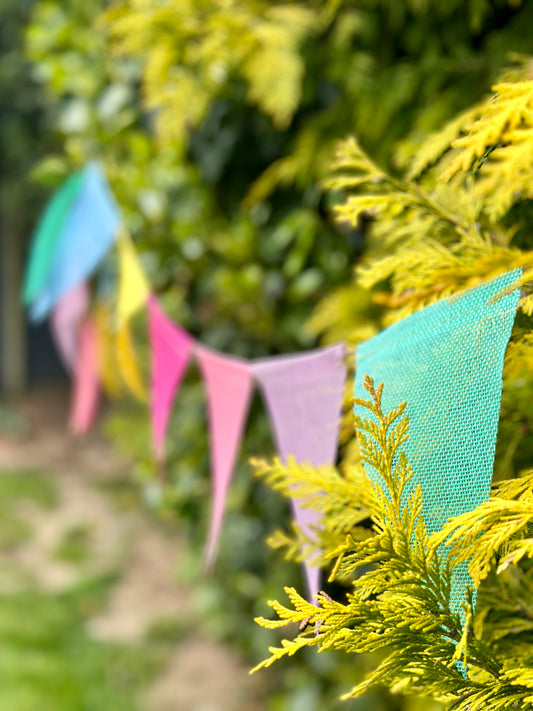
column 92, row 614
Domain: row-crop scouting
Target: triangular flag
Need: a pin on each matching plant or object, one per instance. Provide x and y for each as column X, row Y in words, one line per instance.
column 47, row 234
column 229, row 386
column 107, row 356
column 171, row 347
column 86, row 390
column 65, row 323
column 128, row 363
column 133, row 288
column 445, row 362
column 304, row 396
column 86, row 235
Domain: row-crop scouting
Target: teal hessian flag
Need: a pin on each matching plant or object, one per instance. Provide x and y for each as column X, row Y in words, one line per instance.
column 446, row 363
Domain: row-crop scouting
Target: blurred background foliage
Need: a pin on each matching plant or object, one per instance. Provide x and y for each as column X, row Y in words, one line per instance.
column 216, row 122
column 22, row 141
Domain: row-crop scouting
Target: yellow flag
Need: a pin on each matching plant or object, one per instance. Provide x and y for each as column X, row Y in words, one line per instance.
column 128, row 364
column 107, row 357
column 133, row 287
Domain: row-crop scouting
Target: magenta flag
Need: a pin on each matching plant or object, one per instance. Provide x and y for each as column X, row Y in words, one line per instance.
column 304, row 394
column 229, row 386
column 171, row 348
column 86, row 390
column 65, row 323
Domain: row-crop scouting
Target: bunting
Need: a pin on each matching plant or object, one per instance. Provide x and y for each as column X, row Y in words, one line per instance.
column 304, row 395
column 81, row 241
column 86, row 391
column 65, row 323
column 171, row 348
column 446, row 363
column 229, row 386
column 452, row 392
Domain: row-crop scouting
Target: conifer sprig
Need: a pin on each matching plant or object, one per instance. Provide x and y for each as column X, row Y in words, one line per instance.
column 374, row 191
column 443, row 229
column 498, row 530
column 398, row 604
column 342, row 501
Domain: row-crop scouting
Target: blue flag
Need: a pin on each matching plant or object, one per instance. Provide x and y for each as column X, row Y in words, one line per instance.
column 85, row 236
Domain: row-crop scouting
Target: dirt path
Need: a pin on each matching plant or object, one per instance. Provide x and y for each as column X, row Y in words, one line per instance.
column 201, row 675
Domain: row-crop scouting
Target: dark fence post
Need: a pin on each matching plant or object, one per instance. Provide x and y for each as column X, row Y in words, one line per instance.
column 13, row 320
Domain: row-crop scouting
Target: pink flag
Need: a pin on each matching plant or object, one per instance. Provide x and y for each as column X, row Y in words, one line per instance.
column 304, row 396
column 171, row 348
column 229, row 386
column 65, row 323
column 86, row 390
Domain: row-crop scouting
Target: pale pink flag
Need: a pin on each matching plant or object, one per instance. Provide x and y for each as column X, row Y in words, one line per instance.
column 171, row 348
column 65, row 323
column 304, row 396
column 229, row 386
column 86, row 389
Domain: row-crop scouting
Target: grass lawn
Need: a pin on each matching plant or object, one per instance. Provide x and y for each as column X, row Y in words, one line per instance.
column 48, row 661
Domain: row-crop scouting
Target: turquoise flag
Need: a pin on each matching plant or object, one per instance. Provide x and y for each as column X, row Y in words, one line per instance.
column 85, row 235
column 446, row 363
column 45, row 238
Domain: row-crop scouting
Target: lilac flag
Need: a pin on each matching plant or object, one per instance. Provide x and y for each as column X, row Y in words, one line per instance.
column 229, row 386
column 171, row 347
column 304, row 396
column 87, row 233
column 65, row 323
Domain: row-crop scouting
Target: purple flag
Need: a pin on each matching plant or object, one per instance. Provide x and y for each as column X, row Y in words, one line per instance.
column 304, row 396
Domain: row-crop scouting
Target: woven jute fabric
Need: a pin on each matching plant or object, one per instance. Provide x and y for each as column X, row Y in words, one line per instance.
column 446, row 363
